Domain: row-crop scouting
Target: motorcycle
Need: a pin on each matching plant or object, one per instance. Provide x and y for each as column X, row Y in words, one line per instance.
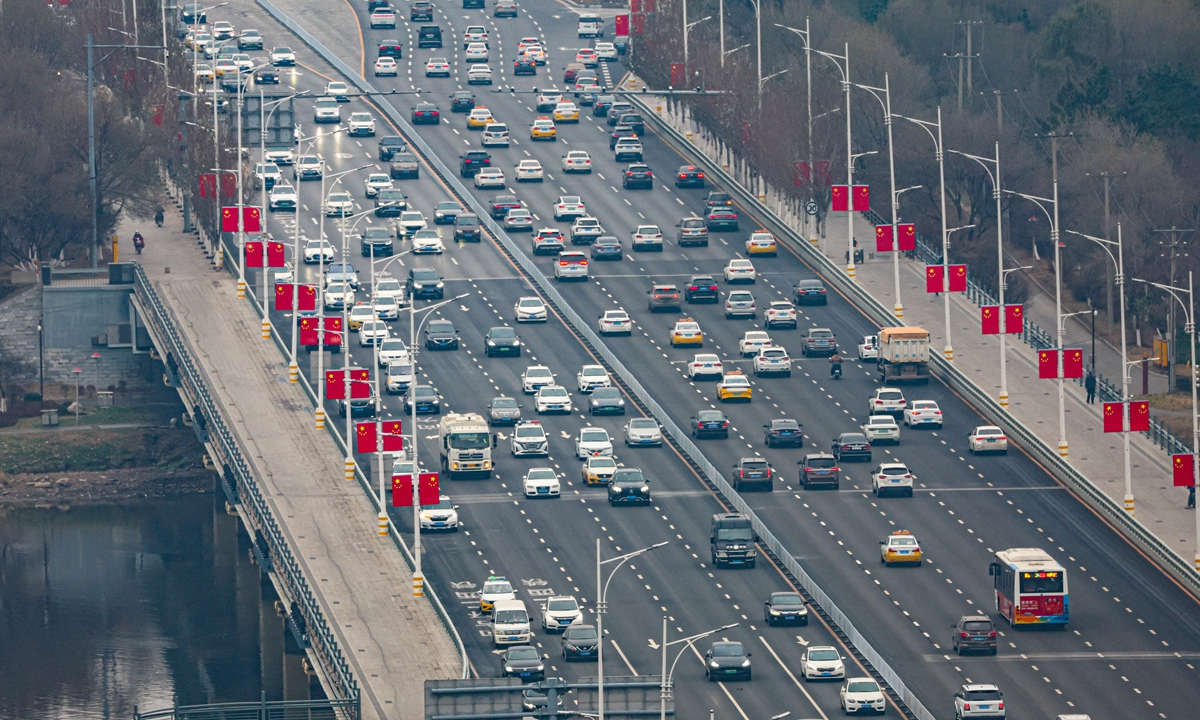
column 138, row 243
column 835, row 371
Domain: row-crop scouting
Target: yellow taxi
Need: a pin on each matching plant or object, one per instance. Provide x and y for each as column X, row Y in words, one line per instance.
column 599, row 470
column 360, row 313
column 734, row 386
column 494, row 590
column 543, row 129
column 761, row 242
column 566, row 112
column 226, row 65
column 480, row 118
column 687, row 332
column 900, row 547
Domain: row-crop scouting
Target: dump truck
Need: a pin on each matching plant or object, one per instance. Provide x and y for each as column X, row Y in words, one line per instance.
column 466, row 444
column 904, row 355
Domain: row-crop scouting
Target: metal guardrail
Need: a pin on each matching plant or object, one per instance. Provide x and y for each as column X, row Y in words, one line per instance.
column 236, row 471
column 1176, row 565
column 263, row 710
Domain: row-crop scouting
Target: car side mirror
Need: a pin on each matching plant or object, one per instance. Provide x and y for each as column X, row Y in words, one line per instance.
column 881, row 542
column 749, row 654
column 455, row 507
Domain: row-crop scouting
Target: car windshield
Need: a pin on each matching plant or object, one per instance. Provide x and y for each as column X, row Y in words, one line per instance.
column 424, row 391
column 785, row 424
column 630, row 476
column 503, row 403
column 885, row 420
column 853, row 438
column 440, row 327
column 826, row 654
column 398, row 370
column 989, row 431
column 538, row 372
column 530, row 431
column 710, row 415
column 497, row 588
column 317, row 244
column 904, row 541
column 523, row 653
column 510, row 617
column 891, row 395
column 542, row 474
column 387, row 286
column 555, row 392
column 466, row 221
column 594, row 371
column 582, row 633
column 754, row 465
column 979, row 695
column 924, row 405
column 425, row 275
column 787, row 599
column 862, row 686
column 741, row 297
column 562, row 605
column 338, row 288
column 735, row 534
column 728, row 650
column 606, row 393
column 900, row 470
column 820, row 462
column 374, row 326
column 602, row 463
column 391, row 194
column 503, row 332
column 643, row 424
column 593, row 436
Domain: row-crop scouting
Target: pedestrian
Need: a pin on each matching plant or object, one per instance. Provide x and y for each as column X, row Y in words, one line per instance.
column 158, row 216
column 1090, row 385
column 1191, row 497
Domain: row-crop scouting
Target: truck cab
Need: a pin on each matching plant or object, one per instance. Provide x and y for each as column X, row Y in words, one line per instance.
column 732, row 540
column 466, row 445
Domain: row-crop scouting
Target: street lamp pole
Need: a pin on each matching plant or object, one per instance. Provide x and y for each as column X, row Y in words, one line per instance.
column 812, row 168
column 602, row 607
column 665, row 692
column 886, row 102
column 845, row 71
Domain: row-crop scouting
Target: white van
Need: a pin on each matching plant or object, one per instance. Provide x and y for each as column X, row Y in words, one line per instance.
column 591, row 26
column 510, row 623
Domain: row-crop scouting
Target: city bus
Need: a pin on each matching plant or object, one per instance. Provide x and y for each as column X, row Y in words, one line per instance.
column 1031, row 588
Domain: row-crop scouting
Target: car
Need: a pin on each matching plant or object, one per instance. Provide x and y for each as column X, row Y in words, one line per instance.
column 686, row 331
column 727, row 661
column 615, row 322
column 390, row 145
column 588, row 94
column 266, row 75
column 479, row 75
column 495, row 589
column 339, row 204
column 376, row 182
column 571, row 266
column 598, row 470
column 762, row 242
column 476, row 53
column 283, row 56
column 817, row 342
column 602, row 104
column 978, row 700
column 643, row 432
column 606, row 51
column 618, row 133
column 647, row 238
column 226, row 66
column 783, row 432
column 427, row 242
column 553, row 399
column 628, row 149
column 547, row 101
column 409, row 223
column 580, row 642
column 881, row 428
column 337, row 295
column 752, row 340
column 524, row 662
column 868, row 348
column 339, row 90
column 443, row 516
column 284, row 197
column 973, row 632
column 503, row 204
column 616, row 111
column 518, row 219
column 445, row 212
column 900, row 547
column 462, row 101
column 204, row 73
column 472, row 162
column 606, row 401
column 886, row 401
column 420, row 11
column 390, row 202
column 326, row 110
column 308, row 167
column 426, row 114
column 607, row 247
column 721, row 218
column 701, row 288
column 822, row 662
column 740, row 303
column 425, row 398
column 535, row 378
column 577, row 161
column 918, row 413
column 383, row 17
column 629, row 486
column 388, row 286
column 705, row 365
column 752, row 473
column 560, row 612
column 391, row 47
column 894, row 477
column 851, row 446
column 505, row 8
column 316, row 250
column 361, row 124
column 372, row 332
column 474, row 34
column 479, row 118
column 666, row 297
column 529, row 171
column 593, row 441
column 689, row 176
column 341, row 272
column 502, row 340
column 503, row 410
column 739, row 270
column 392, row 350
column 280, row 156
column 734, row 387
column 543, row 128
column 692, row 231
column 819, row 469
column 530, row 309
column 709, row 423
column 376, row 242
column 591, row 377
column 588, row 57
column 987, row 438
column 541, row 482
column 250, row 40
column 781, row 313
column 360, row 313
column 634, row 121
column 569, row 207
column 424, row 283
column 716, row 199
column 809, row 292
column 490, row 178
column 585, row 230
column 437, row 67
column 529, row 439
column 785, row 608
column 566, row 112
column 861, row 694
column 526, row 42
column 536, row 53
column 772, row 360
column 440, row 334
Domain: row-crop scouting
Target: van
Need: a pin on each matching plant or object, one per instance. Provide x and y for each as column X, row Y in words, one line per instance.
column 571, row 72
column 429, row 36
column 510, row 623
column 732, row 540
column 591, row 26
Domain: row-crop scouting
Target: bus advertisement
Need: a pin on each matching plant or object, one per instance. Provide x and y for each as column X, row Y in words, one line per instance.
column 1031, row 588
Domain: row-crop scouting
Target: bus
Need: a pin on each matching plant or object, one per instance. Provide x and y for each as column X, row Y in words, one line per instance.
column 1031, row 588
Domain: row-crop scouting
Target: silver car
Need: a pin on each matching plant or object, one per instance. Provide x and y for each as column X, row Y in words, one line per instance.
column 643, row 432
column 979, row 700
column 740, row 303
column 503, row 410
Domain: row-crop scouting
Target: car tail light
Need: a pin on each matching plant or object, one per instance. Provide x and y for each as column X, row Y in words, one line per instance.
column 712, row 287
column 963, row 634
column 682, row 176
column 741, row 473
column 867, row 446
column 693, row 287
column 583, row 262
column 628, row 174
column 676, row 296
column 966, row 706
column 1001, row 438
column 725, row 424
column 992, row 634
column 1001, row 704
column 835, row 469
column 847, row 447
column 563, row 262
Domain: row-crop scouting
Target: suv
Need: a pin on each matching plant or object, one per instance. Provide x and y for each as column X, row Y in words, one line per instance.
column 529, row 439
column 818, row 341
column 429, row 36
column 376, row 242
column 732, row 539
column 973, row 632
column 663, row 297
column 974, row 701
column 629, row 148
column 390, row 145
column 692, row 231
column 886, row 401
column 701, row 288
column 472, row 161
column 466, row 228
column 424, row 282
column 421, row 11
column 753, row 473
column 818, row 469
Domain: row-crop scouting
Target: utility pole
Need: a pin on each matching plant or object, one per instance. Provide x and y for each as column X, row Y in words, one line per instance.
column 1172, row 247
column 1108, row 178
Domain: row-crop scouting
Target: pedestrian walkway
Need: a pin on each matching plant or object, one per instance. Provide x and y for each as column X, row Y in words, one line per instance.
column 392, row 641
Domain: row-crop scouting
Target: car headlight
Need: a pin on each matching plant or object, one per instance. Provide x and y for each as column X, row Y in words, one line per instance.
column 775, row 612
column 454, row 466
column 440, row 284
column 714, row 664
column 418, row 286
column 746, row 662
column 508, row 668
column 645, row 488
column 541, row 668
column 492, row 343
column 616, row 488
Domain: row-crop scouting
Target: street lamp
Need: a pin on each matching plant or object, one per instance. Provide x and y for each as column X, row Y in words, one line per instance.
column 687, row 28
column 602, row 606
column 665, row 692
column 845, row 71
column 886, row 102
column 726, row 53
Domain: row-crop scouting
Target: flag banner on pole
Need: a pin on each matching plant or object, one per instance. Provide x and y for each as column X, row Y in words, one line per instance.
column 228, row 185
column 254, row 254
column 990, row 316
column 308, row 332
column 252, row 221
column 1014, row 319
column 1114, row 417
column 862, row 198
column 1072, row 363
column 283, row 296
column 883, row 238
column 677, row 75
column 428, row 491
column 933, row 278
column 333, row 331
column 402, row 491
column 1181, row 470
column 360, row 390
column 839, row 196
column 639, row 23
column 393, row 439
column 1047, row 364
column 229, row 219
column 335, row 384
column 635, row 6
column 801, row 174
column 622, row 24
column 650, row 5
column 1139, row 416
column 208, row 185
column 368, row 439
column 958, row 278
column 308, row 297
column 908, row 236
column 360, row 374
column 275, row 254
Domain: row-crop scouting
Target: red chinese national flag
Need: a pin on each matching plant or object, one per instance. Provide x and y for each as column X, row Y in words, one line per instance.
column 359, row 390
column 228, row 219
column 428, row 492
column 990, row 316
column 368, row 441
column 1047, row 364
column 622, row 25
column 333, row 331
column 635, row 6
column 1181, row 470
column 883, row 238
column 639, row 23
column 862, row 198
column 1072, row 363
column 335, row 384
column 839, row 196
column 228, row 185
column 678, row 77
column 1139, row 416
column 158, row 114
column 958, row 278
column 308, row 332
column 254, row 254
column 252, row 220
column 1114, row 420
column 360, row 374
column 402, row 491
column 1014, row 319
column 275, row 255
column 208, row 185
column 393, row 439
column 908, row 236
column 283, row 296
column 933, row 278
column 308, row 298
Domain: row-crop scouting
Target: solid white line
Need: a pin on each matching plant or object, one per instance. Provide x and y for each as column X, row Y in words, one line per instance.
column 735, row 702
column 793, row 677
column 617, row 647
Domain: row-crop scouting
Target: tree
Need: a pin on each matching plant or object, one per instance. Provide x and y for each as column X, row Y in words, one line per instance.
column 1164, row 103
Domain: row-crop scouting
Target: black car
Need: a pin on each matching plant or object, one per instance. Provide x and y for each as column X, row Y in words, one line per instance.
column 503, row 410
column 580, row 642
column 727, row 661
column 606, row 247
column 426, row 398
column 391, row 48
column 701, row 288
column 851, row 446
column 376, row 242
column 502, row 341
column 602, row 104
column 718, row 198
column 373, row 5
column 267, row 75
column 359, row 407
column 638, row 175
column 629, row 487
column 634, row 121
column 429, row 36
column 502, row 204
column 606, row 401
column 524, row 66
column 752, row 473
column 441, row 335
column 390, row 202
column 462, row 101
column 709, row 423
column 426, row 114
column 783, row 432
column 621, row 131
column 420, row 11
column 523, row 661
column 472, row 161
column 973, row 632
column 424, row 283
column 720, row 217
column 689, row 176
column 467, row 228
column 389, row 145
column 809, row 292
column 819, row 469
column 785, row 608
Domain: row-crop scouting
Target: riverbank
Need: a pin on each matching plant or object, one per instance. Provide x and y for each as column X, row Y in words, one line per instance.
column 101, row 487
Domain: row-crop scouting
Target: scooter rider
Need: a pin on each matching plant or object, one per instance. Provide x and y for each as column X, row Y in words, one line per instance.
column 835, row 364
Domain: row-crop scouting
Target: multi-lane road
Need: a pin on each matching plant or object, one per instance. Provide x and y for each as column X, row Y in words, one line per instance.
column 1134, row 637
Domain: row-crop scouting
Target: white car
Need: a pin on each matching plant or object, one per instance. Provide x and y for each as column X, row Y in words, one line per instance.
column 285, row 274
column 479, row 75
column 494, row 135
column 548, row 100
column 705, row 365
column 752, row 341
column 361, row 123
column 868, row 348
column 387, row 286
column 338, row 294
column 606, row 51
column 443, row 516
column 616, row 322
column 377, row 182
column 772, row 360
column 339, row 204
column 518, row 219
column 740, row 303
column 283, row 197
column 861, row 693
column 577, row 161
column 399, row 377
column 529, row 171
column 427, row 242
column 283, row 56
column 647, row 237
column 535, row 378
column 437, row 67
column 975, row 701
column 892, row 477
column 593, row 441
column 886, row 400
column 314, row 249
column 552, row 398
column 392, row 350
column 923, row 412
column 541, row 482
column 781, row 313
column 327, row 110
column 496, row 588
column 244, row 62
column 475, row 34
column 490, row 178
column 410, row 222
column 987, row 438
column 280, row 156
column 585, row 230
column 740, row 270
column 822, row 662
column 386, row 65
column 569, row 207
column 222, row 30
column 386, row 307
column 561, row 611
column 338, row 90
column 530, row 309
column 477, row 53
column 372, row 332
column 643, row 432
column 529, row 439
column 591, row 377
column 571, row 265
column 881, row 428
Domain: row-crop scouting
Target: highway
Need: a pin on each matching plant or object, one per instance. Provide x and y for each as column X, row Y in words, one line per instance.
column 1134, row 637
